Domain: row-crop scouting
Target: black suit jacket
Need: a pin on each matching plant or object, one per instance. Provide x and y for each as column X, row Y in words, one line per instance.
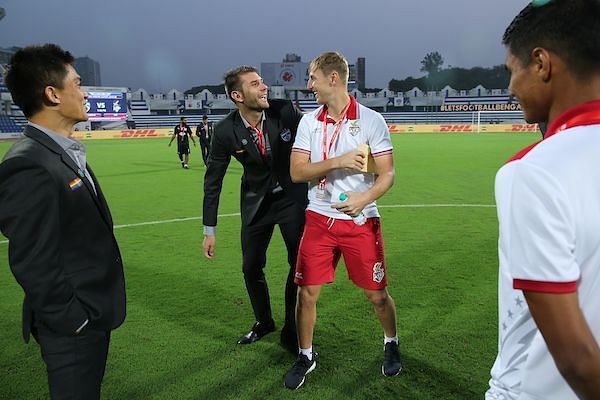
column 201, row 133
column 232, row 138
column 62, row 250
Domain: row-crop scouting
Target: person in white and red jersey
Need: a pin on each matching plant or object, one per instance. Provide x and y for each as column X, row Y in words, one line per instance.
column 325, row 154
column 548, row 199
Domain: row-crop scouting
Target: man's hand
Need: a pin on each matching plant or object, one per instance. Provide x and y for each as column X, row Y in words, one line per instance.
column 209, row 246
column 354, row 159
column 354, row 204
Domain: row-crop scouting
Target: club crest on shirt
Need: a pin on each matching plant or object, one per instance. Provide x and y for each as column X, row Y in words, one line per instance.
column 378, row 272
column 286, row 135
column 354, row 128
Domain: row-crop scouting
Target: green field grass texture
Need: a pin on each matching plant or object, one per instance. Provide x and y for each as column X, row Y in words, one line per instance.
column 185, row 313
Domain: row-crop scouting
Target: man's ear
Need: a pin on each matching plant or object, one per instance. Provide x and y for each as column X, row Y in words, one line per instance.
column 237, row 96
column 334, row 77
column 542, row 62
column 51, row 96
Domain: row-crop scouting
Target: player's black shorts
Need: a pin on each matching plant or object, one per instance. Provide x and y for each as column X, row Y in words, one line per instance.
column 183, row 148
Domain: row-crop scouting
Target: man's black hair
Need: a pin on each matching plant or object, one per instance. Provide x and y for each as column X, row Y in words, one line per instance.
column 33, row 68
column 569, row 28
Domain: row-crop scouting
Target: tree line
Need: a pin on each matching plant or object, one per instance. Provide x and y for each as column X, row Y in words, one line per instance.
column 496, row 77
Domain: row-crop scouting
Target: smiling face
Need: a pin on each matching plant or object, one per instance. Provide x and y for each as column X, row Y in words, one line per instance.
column 528, row 85
column 320, row 85
column 253, row 92
column 71, row 98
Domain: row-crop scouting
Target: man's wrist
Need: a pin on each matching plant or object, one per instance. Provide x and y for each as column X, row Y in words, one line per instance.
column 210, row 230
column 335, row 163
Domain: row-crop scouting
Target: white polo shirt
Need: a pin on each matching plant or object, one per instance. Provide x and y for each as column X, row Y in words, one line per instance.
column 548, row 199
column 362, row 126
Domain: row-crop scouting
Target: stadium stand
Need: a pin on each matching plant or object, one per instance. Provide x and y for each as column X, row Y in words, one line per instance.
column 8, row 124
column 169, row 121
column 505, row 99
column 419, row 117
column 307, row 105
column 416, row 107
column 139, row 107
column 423, row 117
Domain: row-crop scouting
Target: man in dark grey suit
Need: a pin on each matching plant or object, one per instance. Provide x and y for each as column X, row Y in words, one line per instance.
column 62, row 250
column 204, row 131
column 259, row 134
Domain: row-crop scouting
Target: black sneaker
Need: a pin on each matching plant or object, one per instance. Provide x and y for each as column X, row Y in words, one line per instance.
column 391, row 360
column 294, row 378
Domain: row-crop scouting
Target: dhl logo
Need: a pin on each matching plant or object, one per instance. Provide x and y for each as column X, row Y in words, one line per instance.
column 137, row 133
column 456, row 128
column 524, row 128
column 396, row 128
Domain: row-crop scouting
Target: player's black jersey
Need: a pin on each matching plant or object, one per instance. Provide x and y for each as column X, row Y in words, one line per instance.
column 183, row 133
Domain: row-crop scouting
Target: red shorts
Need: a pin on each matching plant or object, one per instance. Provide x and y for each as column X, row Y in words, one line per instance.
column 326, row 239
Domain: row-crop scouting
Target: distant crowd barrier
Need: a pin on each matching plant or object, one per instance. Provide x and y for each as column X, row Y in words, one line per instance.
column 10, row 135
column 394, row 128
column 464, row 128
column 124, row 134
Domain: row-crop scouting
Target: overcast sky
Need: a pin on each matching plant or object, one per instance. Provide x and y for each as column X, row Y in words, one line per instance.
column 164, row 44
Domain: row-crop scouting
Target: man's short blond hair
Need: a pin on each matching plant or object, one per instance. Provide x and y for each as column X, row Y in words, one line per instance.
column 329, row 62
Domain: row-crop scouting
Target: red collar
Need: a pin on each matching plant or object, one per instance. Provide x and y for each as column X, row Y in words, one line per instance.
column 351, row 114
column 582, row 114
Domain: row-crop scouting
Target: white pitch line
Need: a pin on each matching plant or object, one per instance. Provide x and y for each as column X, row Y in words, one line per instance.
column 435, row 205
column 168, row 221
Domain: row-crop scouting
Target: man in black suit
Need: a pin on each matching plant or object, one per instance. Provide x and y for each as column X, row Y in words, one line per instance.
column 259, row 134
column 204, row 131
column 62, row 250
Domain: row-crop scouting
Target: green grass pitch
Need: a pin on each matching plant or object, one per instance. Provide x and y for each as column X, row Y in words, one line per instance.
column 185, row 313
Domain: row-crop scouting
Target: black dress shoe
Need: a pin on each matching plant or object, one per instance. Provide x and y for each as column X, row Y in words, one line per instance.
column 256, row 333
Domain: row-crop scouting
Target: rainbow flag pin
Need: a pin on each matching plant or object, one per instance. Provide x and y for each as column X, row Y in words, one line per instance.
column 76, row 183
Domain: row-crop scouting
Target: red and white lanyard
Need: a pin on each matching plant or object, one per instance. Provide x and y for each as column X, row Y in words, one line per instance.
column 337, row 127
column 261, row 140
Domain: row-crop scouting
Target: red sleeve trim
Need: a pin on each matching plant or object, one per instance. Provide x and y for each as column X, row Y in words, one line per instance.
column 299, row 150
column 545, row 287
column 384, row 153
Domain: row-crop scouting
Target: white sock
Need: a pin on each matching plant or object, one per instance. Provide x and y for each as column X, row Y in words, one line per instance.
column 307, row 352
column 387, row 339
